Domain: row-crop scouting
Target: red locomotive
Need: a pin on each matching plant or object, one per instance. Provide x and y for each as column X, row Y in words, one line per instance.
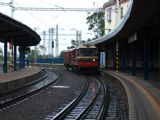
column 83, row 58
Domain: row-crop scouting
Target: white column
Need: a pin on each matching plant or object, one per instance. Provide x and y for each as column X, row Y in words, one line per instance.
column 117, row 12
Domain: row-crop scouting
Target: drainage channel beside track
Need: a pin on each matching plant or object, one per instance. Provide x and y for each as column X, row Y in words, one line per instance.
column 90, row 104
column 118, row 104
column 118, row 108
column 15, row 96
column 143, row 101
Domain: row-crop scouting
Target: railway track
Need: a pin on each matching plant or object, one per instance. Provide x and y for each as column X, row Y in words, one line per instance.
column 118, row 108
column 90, row 104
column 101, row 99
column 15, row 96
column 143, row 105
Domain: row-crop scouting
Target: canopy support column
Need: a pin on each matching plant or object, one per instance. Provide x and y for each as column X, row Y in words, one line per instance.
column 23, row 57
column 146, row 60
column 20, row 57
column 5, row 66
column 106, row 57
column 123, row 56
column 133, row 59
column 15, row 57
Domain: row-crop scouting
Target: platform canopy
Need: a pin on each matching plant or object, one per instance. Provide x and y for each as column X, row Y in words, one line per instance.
column 20, row 34
column 141, row 14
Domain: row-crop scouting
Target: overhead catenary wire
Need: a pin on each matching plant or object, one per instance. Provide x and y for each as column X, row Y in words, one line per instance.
column 19, row 7
column 34, row 16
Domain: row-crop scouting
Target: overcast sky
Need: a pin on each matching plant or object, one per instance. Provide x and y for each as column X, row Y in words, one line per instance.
column 43, row 20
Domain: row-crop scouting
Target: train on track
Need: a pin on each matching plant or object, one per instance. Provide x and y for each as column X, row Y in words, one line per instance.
column 82, row 59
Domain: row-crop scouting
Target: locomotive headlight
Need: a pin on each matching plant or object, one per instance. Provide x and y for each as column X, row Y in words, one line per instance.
column 94, row 60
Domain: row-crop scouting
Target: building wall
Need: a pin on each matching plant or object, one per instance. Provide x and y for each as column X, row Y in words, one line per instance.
column 110, row 23
column 140, row 56
column 125, row 7
column 114, row 20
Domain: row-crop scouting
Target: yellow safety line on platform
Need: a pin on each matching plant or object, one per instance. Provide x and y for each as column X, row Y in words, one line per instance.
column 117, row 61
column 132, row 111
column 152, row 100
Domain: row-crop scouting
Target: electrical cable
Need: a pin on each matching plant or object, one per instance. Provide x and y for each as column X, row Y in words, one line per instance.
column 33, row 15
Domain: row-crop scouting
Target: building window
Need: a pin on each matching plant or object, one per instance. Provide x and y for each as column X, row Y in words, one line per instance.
column 121, row 12
column 109, row 14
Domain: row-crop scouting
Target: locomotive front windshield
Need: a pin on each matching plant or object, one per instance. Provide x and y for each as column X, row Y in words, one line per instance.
column 87, row 52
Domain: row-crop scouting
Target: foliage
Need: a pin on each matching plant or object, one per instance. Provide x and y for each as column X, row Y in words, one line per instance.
column 1, row 59
column 32, row 54
column 61, row 54
column 96, row 22
column 42, row 47
column 74, row 44
column 71, row 47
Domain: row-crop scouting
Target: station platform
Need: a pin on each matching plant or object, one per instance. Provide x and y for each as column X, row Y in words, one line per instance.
column 153, row 81
column 19, row 78
column 143, row 95
column 5, row 77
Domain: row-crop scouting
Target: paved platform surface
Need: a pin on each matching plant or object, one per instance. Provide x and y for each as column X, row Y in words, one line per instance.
column 144, row 96
column 152, row 82
column 28, row 71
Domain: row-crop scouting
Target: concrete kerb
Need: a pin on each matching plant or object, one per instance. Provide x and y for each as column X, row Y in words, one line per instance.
column 131, row 105
column 20, row 82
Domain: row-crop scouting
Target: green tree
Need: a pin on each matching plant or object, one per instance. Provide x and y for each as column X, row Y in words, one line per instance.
column 96, row 23
column 73, row 44
column 61, row 54
column 33, row 54
column 1, row 59
column 42, row 47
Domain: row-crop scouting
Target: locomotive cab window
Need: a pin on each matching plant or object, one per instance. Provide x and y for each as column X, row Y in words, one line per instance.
column 87, row 52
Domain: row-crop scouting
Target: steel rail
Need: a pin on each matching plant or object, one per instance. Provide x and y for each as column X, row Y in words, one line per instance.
column 68, row 111
column 105, row 105
column 26, row 85
column 89, row 107
column 118, row 102
column 85, row 103
column 9, row 102
column 71, row 105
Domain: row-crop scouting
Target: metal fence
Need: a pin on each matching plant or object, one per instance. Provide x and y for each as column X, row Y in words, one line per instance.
column 50, row 60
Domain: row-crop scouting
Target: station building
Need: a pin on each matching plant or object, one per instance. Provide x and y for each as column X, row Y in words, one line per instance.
column 114, row 13
column 132, row 43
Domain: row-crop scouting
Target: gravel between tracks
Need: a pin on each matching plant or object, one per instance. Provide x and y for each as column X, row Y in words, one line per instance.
column 38, row 106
